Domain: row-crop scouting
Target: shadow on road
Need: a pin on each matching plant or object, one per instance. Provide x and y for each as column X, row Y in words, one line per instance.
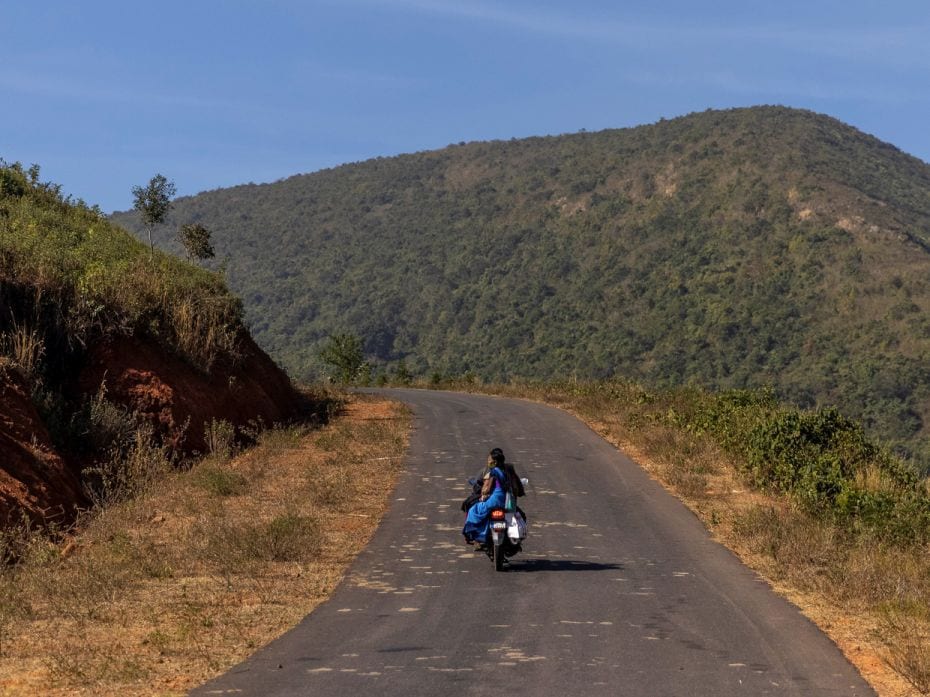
column 562, row 565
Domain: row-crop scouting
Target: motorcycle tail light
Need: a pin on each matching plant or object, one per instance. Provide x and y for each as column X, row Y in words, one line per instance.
column 497, row 514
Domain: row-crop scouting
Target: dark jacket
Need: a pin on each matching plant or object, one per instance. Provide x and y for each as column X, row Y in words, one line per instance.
column 513, row 480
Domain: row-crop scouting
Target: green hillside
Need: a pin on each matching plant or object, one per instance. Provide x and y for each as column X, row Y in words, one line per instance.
column 68, row 276
column 727, row 249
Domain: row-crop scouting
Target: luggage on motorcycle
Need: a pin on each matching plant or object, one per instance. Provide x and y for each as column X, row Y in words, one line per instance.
column 510, row 502
column 516, row 529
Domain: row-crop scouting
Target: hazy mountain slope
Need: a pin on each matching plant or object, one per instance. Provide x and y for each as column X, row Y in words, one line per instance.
column 735, row 248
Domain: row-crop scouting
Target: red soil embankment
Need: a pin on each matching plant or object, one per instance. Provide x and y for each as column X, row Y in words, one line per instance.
column 178, row 399
column 173, row 395
column 34, row 479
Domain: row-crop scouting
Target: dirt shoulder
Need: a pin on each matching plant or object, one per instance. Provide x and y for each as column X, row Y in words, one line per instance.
column 159, row 594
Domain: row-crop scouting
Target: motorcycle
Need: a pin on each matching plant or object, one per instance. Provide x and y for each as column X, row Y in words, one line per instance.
column 506, row 531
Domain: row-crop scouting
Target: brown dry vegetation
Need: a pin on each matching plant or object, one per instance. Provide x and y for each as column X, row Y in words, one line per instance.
column 870, row 598
column 157, row 594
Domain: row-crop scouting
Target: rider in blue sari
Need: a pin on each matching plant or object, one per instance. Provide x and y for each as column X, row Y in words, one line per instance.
column 493, row 495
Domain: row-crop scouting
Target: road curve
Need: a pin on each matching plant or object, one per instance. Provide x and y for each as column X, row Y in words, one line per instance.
column 620, row 590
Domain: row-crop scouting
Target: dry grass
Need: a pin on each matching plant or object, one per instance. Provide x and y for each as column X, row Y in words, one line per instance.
column 202, row 328
column 23, row 347
column 872, row 599
column 157, row 594
column 910, row 629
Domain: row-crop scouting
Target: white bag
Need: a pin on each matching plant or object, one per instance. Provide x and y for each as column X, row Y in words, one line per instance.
column 516, row 529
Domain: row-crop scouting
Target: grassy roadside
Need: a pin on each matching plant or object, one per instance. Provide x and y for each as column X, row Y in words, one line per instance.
column 157, row 594
column 866, row 586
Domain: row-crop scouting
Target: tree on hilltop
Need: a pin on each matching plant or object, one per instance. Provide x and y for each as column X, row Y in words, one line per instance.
column 153, row 202
column 196, row 240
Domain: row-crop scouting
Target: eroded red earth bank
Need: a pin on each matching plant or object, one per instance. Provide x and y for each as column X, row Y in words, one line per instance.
column 170, row 393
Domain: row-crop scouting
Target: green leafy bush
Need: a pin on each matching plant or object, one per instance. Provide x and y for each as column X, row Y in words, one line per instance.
column 820, row 458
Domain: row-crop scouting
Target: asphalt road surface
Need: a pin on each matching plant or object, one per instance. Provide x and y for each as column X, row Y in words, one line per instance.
column 620, row 590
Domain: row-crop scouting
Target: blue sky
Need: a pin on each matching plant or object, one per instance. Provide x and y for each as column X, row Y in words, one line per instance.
column 212, row 93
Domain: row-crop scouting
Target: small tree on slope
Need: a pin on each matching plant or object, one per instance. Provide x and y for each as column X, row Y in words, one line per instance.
column 343, row 353
column 196, row 240
column 153, row 203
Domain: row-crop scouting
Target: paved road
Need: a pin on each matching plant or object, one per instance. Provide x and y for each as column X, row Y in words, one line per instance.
column 620, row 591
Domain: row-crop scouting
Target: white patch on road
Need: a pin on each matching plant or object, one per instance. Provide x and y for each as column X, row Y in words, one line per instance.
column 558, row 523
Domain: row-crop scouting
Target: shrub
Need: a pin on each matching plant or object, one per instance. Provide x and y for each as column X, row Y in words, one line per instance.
column 288, row 537
column 218, row 480
column 291, row 537
column 220, row 436
column 128, row 472
column 820, row 458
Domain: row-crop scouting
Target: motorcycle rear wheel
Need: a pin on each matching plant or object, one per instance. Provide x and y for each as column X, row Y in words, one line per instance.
column 499, row 557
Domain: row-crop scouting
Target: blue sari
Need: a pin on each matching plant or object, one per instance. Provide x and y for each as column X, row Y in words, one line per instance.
column 478, row 520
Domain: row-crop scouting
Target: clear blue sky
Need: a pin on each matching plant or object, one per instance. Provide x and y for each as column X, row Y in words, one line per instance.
column 104, row 94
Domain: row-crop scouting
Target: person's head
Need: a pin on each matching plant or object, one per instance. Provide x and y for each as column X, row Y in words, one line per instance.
column 495, row 457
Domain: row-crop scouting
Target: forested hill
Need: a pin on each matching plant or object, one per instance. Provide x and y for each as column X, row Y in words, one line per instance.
column 725, row 248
